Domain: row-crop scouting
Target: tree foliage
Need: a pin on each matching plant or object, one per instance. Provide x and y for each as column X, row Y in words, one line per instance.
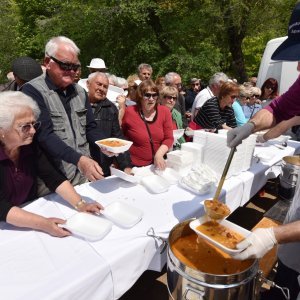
column 192, row 37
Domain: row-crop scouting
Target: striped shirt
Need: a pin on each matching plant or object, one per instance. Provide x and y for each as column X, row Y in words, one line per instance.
column 211, row 116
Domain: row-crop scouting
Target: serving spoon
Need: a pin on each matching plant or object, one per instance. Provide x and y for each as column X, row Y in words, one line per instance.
column 215, row 209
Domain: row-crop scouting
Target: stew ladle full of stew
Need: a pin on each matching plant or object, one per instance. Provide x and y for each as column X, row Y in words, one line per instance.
column 215, row 209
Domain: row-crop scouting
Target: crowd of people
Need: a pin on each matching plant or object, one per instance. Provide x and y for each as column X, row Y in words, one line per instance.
column 63, row 115
column 50, row 118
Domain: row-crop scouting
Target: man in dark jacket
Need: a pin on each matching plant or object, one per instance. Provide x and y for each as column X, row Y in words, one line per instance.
column 106, row 115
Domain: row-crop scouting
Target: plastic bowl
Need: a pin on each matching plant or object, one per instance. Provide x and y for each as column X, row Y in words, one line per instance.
column 114, row 145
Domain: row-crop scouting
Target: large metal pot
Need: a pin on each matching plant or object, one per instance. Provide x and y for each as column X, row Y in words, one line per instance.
column 290, row 168
column 188, row 283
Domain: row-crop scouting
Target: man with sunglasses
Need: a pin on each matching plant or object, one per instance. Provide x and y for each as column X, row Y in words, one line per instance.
column 67, row 119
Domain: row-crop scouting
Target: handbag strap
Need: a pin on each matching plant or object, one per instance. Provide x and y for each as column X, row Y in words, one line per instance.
column 150, row 136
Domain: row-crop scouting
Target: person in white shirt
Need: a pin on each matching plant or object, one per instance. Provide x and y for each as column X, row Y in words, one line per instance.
column 211, row 91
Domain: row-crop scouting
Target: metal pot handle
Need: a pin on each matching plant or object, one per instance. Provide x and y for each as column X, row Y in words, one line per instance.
column 152, row 233
column 284, row 290
column 190, row 288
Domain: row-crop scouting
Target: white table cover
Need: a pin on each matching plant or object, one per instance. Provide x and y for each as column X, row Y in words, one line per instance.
column 75, row 269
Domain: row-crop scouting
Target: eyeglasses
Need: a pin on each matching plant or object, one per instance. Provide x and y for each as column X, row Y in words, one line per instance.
column 247, row 97
column 174, row 98
column 195, row 84
column 255, row 96
column 149, row 95
column 25, row 128
column 65, row 66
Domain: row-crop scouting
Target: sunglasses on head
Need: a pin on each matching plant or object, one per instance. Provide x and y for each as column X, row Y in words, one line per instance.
column 149, row 95
column 174, row 98
column 65, row 66
column 25, row 128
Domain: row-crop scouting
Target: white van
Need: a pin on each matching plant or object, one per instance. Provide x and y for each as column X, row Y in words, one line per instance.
column 285, row 72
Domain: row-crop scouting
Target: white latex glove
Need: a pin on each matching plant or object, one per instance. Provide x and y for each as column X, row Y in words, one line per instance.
column 238, row 134
column 257, row 244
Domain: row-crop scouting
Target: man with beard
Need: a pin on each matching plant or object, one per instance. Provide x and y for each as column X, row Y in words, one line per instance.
column 107, row 117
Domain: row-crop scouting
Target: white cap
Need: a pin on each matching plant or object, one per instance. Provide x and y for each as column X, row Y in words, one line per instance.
column 97, row 63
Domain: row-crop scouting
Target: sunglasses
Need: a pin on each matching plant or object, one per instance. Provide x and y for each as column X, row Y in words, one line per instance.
column 149, row 95
column 269, row 87
column 255, row 96
column 25, row 128
column 233, row 96
column 170, row 97
column 247, row 97
column 65, row 66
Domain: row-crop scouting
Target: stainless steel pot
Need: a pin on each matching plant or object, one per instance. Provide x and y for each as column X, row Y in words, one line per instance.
column 189, row 284
column 290, row 168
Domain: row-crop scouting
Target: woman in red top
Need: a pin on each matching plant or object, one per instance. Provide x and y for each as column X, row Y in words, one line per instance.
column 149, row 126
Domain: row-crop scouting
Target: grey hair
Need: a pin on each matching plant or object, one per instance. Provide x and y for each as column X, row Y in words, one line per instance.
column 97, row 73
column 169, row 77
column 121, row 82
column 245, row 91
column 255, row 90
column 217, row 78
column 13, row 103
column 144, row 66
column 112, row 77
column 52, row 45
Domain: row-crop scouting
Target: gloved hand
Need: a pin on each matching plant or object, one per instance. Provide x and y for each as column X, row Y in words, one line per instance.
column 260, row 139
column 257, row 244
column 238, row 134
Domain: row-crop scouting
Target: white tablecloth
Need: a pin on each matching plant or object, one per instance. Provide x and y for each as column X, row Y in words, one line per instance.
column 37, row 266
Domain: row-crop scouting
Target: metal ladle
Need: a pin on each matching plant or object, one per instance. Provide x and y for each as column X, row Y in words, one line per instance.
column 215, row 209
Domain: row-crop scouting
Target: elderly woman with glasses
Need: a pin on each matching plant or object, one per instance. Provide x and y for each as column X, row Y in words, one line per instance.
column 239, row 104
column 217, row 112
column 253, row 105
column 149, row 126
column 168, row 97
column 21, row 163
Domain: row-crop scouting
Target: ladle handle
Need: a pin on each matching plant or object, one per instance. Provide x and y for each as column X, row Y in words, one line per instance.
column 225, row 171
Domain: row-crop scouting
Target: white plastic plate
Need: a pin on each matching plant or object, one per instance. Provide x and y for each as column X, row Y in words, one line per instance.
column 169, row 174
column 178, row 133
column 155, row 184
column 121, row 149
column 194, row 224
column 88, row 226
column 124, row 176
column 122, row 214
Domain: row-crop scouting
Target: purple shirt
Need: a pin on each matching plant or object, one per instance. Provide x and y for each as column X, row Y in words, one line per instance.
column 19, row 179
column 287, row 105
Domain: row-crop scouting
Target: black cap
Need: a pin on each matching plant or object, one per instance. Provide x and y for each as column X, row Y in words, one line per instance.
column 26, row 68
column 290, row 49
